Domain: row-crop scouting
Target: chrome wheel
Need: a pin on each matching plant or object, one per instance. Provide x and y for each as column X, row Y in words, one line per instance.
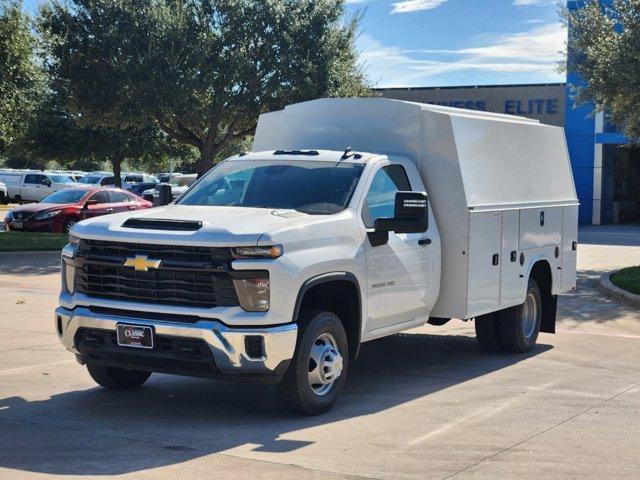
column 529, row 315
column 325, row 364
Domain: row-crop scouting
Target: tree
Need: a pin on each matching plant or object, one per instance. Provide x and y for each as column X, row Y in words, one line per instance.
column 201, row 70
column 21, row 77
column 54, row 134
column 605, row 46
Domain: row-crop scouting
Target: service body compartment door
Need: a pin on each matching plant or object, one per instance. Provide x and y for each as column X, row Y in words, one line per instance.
column 511, row 285
column 485, row 257
column 540, row 227
column 569, row 253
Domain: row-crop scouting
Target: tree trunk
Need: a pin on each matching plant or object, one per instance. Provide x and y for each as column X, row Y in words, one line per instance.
column 116, row 163
column 205, row 162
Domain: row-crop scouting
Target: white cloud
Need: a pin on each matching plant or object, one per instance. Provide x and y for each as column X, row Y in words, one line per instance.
column 416, row 5
column 537, row 3
column 533, row 52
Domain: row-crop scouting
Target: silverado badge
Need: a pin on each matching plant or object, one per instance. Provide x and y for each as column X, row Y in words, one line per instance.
column 142, row 263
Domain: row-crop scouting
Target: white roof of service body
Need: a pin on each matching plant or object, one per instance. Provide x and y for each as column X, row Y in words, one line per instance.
column 477, row 159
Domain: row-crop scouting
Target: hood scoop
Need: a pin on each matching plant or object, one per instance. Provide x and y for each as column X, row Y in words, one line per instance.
column 161, row 224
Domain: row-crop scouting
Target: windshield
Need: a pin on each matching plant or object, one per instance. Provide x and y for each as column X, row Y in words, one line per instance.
column 61, row 179
column 184, row 181
column 319, row 188
column 90, row 180
column 65, row 196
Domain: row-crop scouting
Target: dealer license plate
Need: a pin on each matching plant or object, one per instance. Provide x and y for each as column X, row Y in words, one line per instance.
column 134, row 336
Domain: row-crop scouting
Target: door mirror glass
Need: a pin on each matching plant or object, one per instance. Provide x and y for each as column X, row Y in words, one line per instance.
column 411, row 214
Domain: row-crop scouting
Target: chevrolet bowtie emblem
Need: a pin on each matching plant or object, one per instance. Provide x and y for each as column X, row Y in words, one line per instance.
column 142, row 263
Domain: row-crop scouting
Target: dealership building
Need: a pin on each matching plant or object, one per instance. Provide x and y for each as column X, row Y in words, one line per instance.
column 607, row 177
column 606, row 170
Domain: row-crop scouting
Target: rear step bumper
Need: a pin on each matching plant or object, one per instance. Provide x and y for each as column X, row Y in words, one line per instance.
column 250, row 352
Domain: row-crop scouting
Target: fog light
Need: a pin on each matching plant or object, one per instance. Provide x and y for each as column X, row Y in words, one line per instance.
column 253, row 293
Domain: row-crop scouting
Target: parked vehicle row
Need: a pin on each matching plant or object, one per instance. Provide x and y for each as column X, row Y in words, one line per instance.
column 61, row 210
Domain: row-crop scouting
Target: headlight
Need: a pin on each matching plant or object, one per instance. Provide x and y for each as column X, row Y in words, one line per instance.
column 73, row 240
column 273, row 251
column 47, row 215
column 253, row 293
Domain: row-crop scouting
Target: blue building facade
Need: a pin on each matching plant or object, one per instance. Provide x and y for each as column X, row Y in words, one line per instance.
column 607, row 177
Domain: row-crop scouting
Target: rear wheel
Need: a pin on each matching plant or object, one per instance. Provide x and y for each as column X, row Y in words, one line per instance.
column 117, row 378
column 318, row 370
column 520, row 325
column 488, row 331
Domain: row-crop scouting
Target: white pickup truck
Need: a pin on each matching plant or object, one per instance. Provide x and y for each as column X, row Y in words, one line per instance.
column 33, row 186
column 278, row 264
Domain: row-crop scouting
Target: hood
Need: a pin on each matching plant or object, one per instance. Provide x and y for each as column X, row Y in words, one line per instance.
column 31, row 208
column 220, row 225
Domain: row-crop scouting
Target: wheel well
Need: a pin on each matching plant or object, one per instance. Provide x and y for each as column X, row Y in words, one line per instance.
column 341, row 297
column 541, row 273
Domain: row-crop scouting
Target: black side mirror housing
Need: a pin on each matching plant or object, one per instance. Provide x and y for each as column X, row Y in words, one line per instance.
column 411, row 215
column 91, row 201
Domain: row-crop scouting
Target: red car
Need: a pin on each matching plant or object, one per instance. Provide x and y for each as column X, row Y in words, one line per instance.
column 61, row 210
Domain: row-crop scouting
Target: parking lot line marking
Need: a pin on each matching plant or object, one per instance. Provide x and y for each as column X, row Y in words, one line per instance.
column 31, row 367
column 548, row 429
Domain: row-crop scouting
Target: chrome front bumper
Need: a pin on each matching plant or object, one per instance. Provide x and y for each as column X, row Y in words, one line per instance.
column 226, row 344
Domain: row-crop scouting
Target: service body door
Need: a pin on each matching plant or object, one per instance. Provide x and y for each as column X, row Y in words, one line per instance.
column 398, row 271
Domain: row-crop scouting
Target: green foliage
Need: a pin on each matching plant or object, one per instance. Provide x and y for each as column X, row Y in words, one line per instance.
column 606, row 42
column 21, row 77
column 201, row 70
column 628, row 279
column 32, row 241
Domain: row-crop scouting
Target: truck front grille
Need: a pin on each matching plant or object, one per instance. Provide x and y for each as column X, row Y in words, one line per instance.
column 187, row 276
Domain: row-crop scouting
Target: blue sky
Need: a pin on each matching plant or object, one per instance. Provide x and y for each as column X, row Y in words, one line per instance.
column 421, row 43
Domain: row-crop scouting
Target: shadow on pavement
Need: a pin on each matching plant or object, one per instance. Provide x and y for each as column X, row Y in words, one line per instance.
column 587, row 303
column 29, row 263
column 173, row 419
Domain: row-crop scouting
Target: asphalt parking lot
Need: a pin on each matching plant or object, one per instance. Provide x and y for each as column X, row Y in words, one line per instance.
column 425, row 404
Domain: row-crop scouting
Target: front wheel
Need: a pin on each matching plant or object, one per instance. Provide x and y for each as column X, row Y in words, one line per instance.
column 68, row 224
column 117, row 378
column 318, row 369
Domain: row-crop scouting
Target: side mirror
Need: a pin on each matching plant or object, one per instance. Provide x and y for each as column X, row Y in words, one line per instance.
column 411, row 215
column 91, row 201
column 46, row 181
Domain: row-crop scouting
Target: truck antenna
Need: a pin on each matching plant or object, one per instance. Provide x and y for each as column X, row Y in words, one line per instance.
column 347, row 153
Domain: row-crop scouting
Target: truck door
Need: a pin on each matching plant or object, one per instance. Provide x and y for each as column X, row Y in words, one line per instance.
column 33, row 188
column 398, row 271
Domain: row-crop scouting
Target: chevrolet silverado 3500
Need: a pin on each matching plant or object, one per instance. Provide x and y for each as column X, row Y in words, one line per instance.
column 278, row 264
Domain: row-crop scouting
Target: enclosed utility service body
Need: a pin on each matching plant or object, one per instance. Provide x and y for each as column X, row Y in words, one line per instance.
column 312, row 248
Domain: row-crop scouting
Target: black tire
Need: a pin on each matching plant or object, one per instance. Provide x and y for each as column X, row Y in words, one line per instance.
column 296, row 391
column 68, row 224
column 513, row 335
column 117, row 378
column 488, row 332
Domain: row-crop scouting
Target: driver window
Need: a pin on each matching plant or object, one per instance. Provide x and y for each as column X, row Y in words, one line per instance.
column 100, row 197
column 381, row 198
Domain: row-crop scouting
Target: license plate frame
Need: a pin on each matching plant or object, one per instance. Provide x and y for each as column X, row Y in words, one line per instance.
column 135, row 336
column 17, row 225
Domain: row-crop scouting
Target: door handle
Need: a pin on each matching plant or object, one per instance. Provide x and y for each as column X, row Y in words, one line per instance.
column 131, row 207
column 424, row 242
column 109, row 210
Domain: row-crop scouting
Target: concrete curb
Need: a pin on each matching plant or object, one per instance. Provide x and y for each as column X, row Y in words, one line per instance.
column 608, row 288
